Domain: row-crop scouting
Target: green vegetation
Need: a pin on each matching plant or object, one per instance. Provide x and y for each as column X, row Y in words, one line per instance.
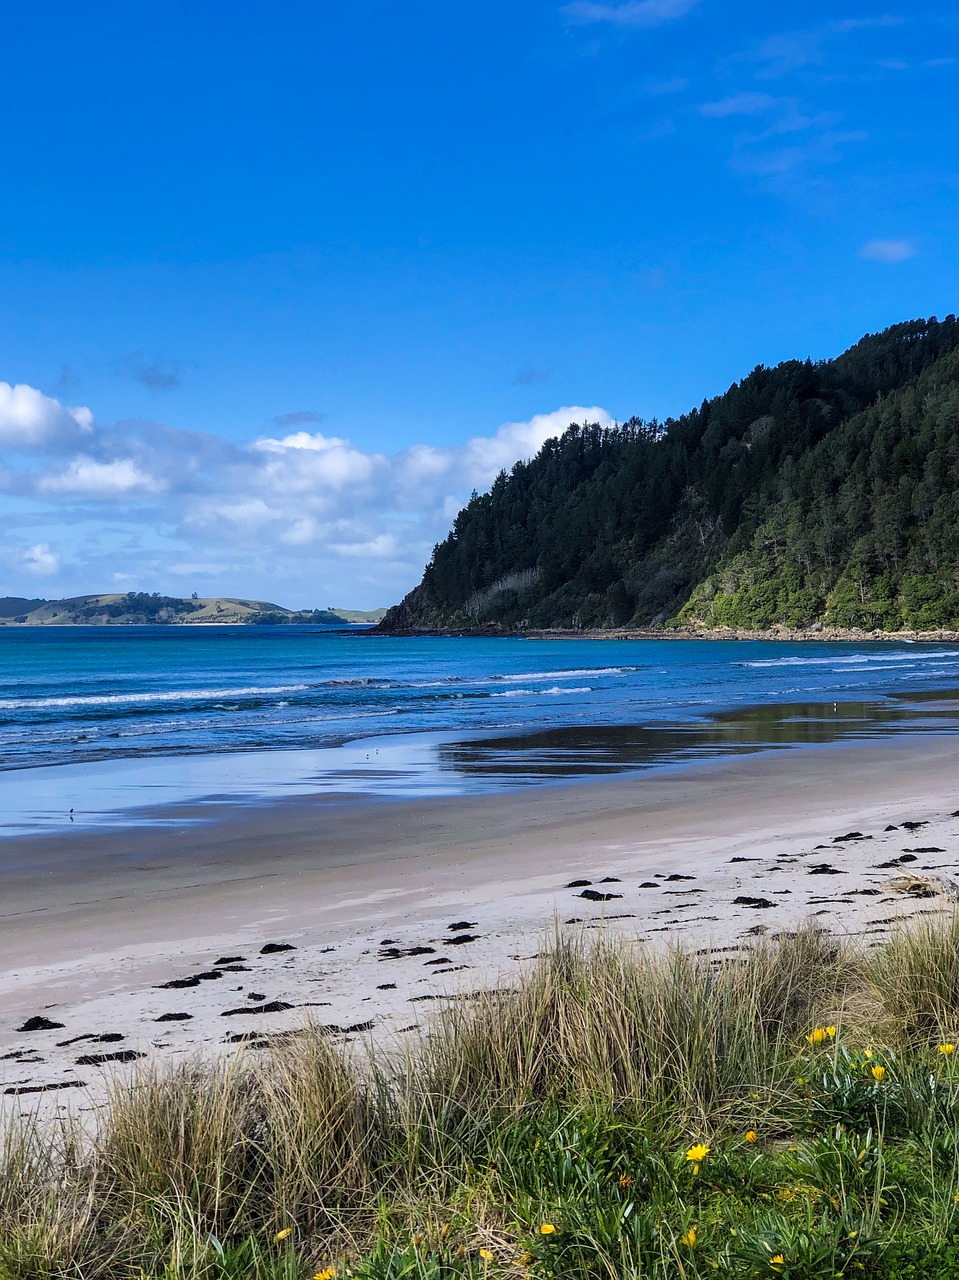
column 144, row 608
column 10, row 606
column 360, row 615
column 806, row 494
column 618, row 1116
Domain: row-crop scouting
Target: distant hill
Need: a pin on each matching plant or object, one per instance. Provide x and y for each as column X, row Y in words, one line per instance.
column 139, row 607
column 360, row 615
column 10, row 605
column 807, row 494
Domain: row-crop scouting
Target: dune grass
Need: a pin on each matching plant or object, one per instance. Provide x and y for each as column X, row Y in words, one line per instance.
column 621, row 1114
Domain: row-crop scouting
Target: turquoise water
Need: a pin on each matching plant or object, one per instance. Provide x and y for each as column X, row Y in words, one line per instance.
column 254, row 710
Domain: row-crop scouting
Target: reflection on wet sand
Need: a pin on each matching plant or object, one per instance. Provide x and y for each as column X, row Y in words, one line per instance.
column 584, row 750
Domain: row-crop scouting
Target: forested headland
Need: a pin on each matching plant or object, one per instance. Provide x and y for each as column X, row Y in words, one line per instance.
column 810, row 494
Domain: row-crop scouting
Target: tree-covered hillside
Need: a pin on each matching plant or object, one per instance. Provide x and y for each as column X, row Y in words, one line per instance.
column 809, row 492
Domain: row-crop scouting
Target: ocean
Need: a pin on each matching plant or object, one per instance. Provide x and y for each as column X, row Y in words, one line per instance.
column 113, row 722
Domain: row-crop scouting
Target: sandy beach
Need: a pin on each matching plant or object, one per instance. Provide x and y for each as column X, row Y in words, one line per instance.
column 364, row 916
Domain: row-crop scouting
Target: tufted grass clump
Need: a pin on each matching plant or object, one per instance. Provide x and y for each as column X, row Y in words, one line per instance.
column 790, row 1110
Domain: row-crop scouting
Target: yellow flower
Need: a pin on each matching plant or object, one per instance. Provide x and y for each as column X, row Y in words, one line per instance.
column 623, row 1181
column 417, row 1241
column 524, row 1259
column 486, row 1255
column 751, row 1136
column 328, row 1274
column 777, row 1261
column 281, row 1235
column 689, row 1238
column 817, row 1035
column 831, row 1032
column 547, row 1229
column 878, row 1073
column 696, row 1155
column 947, row 1049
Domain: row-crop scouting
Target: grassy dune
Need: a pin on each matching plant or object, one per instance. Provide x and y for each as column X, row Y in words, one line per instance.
column 619, row 1115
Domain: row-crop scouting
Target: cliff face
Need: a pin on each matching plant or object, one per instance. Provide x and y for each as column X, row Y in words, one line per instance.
column 808, row 494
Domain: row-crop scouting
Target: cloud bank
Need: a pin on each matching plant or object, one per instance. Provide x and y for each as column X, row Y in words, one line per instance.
column 296, row 515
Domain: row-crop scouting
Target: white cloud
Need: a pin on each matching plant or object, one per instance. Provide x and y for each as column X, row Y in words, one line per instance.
column 422, row 461
column 41, row 561
column 486, row 456
column 315, row 441
column 631, row 13
column 302, row 461
column 382, row 547
column 301, row 532
column 303, row 518
column 249, row 514
column 87, row 478
column 888, row 250
column 29, row 419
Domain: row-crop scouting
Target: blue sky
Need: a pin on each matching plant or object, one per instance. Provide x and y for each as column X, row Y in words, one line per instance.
column 282, row 282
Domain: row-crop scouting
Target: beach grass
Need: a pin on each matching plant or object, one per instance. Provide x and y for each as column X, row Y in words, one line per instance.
column 786, row 1111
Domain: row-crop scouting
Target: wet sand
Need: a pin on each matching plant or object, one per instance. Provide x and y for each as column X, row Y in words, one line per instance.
column 385, row 908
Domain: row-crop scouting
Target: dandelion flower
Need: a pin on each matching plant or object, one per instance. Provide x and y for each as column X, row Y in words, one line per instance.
column 281, row 1235
column 486, row 1255
column 547, row 1229
column 816, row 1036
column 623, row 1181
column 830, row 1032
column 328, row 1274
column 777, row 1261
column 947, row 1049
column 878, row 1073
column 689, row 1239
column 751, row 1136
column 696, row 1155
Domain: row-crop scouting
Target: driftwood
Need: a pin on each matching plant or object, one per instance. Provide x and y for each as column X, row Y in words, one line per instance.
column 921, row 886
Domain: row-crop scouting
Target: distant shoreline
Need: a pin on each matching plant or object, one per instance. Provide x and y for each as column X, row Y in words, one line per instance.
column 180, row 623
column 787, row 634
column 141, row 608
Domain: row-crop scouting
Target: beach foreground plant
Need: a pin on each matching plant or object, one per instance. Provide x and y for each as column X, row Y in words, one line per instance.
column 619, row 1115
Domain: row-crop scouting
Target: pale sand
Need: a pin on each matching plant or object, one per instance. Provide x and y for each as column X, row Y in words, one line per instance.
column 90, row 924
